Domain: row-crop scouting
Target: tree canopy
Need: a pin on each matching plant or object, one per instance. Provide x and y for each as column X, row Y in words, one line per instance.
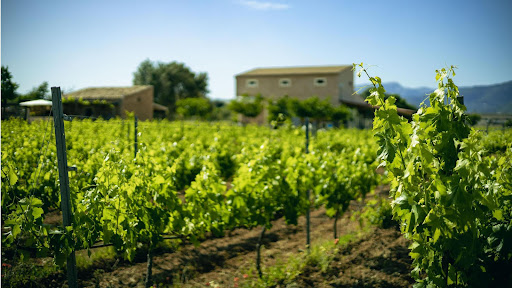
column 171, row 81
column 40, row 92
column 194, row 107
column 340, row 114
column 9, row 90
column 9, row 87
column 279, row 107
column 312, row 107
column 247, row 105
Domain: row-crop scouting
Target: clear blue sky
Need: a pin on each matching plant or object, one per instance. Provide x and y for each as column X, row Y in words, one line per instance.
column 77, row 44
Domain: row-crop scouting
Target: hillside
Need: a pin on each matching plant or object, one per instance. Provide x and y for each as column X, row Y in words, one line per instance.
column 489, row 99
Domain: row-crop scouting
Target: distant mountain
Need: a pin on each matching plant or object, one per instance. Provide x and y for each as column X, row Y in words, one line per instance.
column 489, row 99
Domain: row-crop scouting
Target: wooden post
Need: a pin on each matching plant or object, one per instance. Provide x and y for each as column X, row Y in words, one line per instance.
column 308, row 192
column 135, row 144
column 65, row 202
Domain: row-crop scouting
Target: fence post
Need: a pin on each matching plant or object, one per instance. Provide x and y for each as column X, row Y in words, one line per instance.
column 65, row 203
column 135, row 144
column 308, row 191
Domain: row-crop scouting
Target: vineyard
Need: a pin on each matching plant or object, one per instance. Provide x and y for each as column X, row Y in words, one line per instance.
column 195, row 182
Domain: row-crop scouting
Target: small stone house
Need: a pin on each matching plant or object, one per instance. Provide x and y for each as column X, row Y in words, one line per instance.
column 109, row 102
column 326, row 82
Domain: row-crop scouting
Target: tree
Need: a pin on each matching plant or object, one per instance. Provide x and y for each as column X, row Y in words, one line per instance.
column 40, row 92
column 340, row 114
column 194, row 107
column 277, row 108
column 220, row 111
column 247, row 105
column 313, row 108
column 8, row 86
column 171, row 81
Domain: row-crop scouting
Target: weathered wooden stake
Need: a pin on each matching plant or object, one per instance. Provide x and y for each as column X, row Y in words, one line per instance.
column 65, row 203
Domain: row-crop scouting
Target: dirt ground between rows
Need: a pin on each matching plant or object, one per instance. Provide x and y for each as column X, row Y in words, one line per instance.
column 378, row 259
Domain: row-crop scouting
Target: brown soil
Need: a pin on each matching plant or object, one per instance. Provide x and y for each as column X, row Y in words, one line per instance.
column 377, row 259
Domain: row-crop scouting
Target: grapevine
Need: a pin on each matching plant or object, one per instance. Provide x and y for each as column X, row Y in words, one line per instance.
column 452, row 200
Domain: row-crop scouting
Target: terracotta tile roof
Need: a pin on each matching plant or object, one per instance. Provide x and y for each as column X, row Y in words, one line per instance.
column 296, row 70
column 107, row 93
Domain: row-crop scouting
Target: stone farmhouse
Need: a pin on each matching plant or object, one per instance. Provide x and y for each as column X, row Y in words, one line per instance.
column 109, row 102
column 335, row 83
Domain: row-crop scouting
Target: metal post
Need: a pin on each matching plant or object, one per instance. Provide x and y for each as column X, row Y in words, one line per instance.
column 307, row 135
column 308, row 191
column 65, row 203
column 460, row 99
column 135, row 145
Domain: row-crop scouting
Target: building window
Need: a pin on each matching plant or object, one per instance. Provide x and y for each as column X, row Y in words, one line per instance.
column 320, row 81
column 252, row 83
column 285, row 82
